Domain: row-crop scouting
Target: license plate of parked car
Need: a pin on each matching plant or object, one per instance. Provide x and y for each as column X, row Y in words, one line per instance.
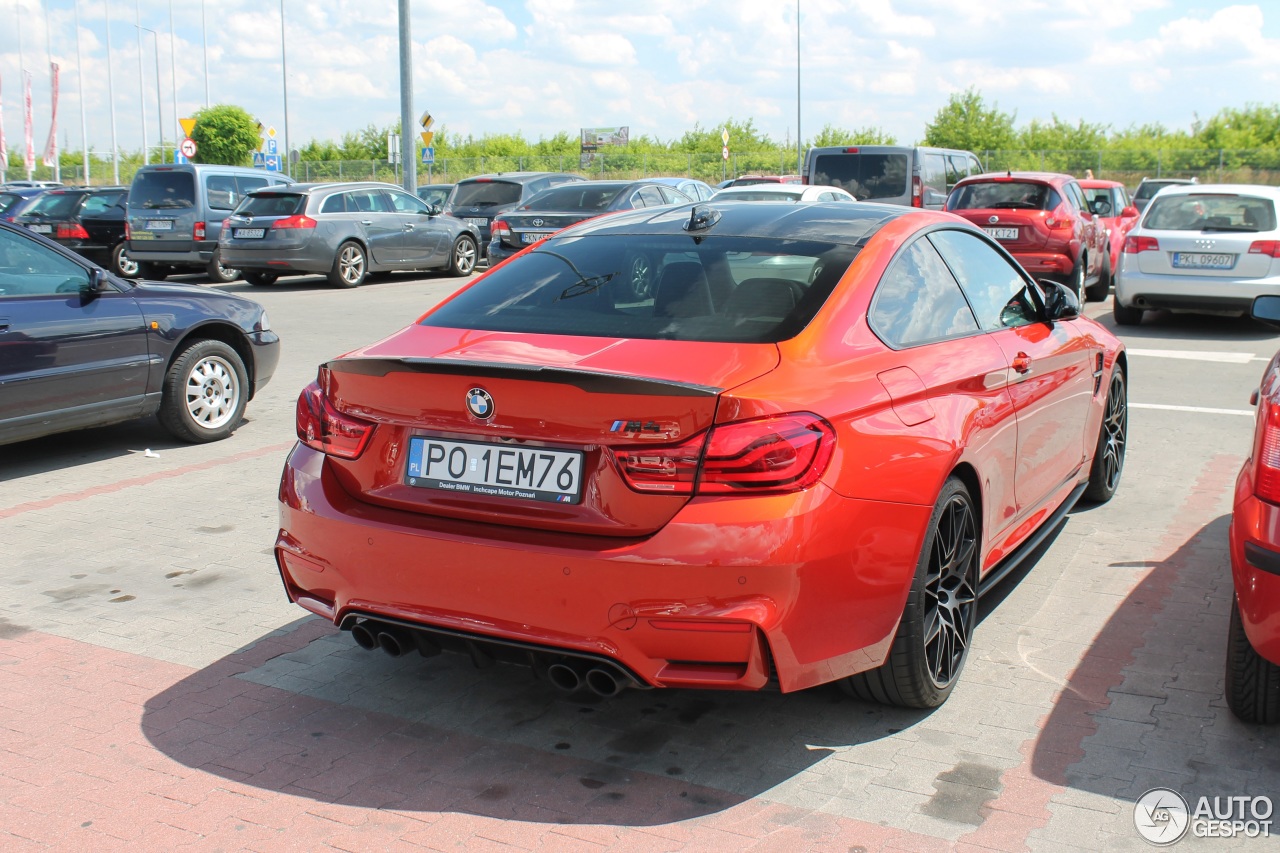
column 1202, row 261
column 474, row 468
column 249, row 233
column 1003, row 233
column 159, row 224
column 41, row 229
column 533, row 238
column 471, row 220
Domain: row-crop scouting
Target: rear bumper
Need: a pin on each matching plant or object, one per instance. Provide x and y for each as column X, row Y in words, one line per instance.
column 302, row 259
column 1144, row 290
column 147, row 252
column 1255, row 567
column 808, row 587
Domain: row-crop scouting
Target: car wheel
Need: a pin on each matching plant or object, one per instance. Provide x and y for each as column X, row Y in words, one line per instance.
column 218, row 273
column 932, row 642
column 1076, row 282
column 639, row 276
column 1125, row 315
column 350, row 265
column 1253, row 682
column 1108, row 458
column 121, row 264
column 1098, row 292
column 205, row 392
column 153, row 272
column 260, row 278
column 462, row 261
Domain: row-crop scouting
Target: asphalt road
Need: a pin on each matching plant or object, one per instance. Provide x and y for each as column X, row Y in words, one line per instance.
column 156, row 689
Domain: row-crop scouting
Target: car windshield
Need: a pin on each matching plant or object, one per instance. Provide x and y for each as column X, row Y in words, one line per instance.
column 56, row 205
column 1000, row 195
column 582, row 195
column 1208, row 212
column 162, row 189
column 485, row 193
column 864, row 176
column 271, row 204
column 703, row 288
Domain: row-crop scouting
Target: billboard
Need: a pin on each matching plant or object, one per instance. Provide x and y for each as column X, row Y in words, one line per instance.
column 595, row 138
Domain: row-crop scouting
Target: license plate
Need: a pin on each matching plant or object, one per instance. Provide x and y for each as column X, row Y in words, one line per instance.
column 471, row 220
column 1202, row 261
column 1003, row 233
column 159, row 224
column 41, row 229
column 248, row 233
column 488, row 470
column 533, row 238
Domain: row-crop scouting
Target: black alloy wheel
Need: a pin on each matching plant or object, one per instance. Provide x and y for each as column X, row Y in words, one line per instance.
column 1108, row 457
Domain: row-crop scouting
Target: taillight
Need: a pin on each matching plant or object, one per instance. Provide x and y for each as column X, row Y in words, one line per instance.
column 917, row 192
column 1265, row 247
column 499, row 228
column 1266, row 479
column 1133, row 245
column 226, row 223
column 783, row 453
column 322, row 427
column 299, row 221
column 72, row 231
column 127, row 229
column 1060, row 219
column 197, row 231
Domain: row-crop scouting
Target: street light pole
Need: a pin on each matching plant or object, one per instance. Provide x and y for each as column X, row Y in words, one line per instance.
column 799, row 155
column 173, row 72
column 142, row 94
column 155, row 37
column 284, row 69
column 84, row 122
column 111, row 100
column 204, row 41
column 408, row 162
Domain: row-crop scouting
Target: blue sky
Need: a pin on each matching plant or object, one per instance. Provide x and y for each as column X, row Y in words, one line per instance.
column 659, row 66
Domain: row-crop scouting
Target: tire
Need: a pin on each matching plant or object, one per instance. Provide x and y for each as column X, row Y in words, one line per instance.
column 463, row 256
column 205, row 392
column 121, row 264
column 350, row 265
column 152, row 272
column 1253, row 682
column 1098, row 291
column 1076, row 281
column 219, row 274
column 259, row 278
column 1125, row 315
column 639, row 276
column 933, row 638
column 1113, row 436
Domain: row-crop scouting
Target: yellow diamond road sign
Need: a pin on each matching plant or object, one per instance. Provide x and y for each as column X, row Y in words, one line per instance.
column 426, row 121
column 271, row 131
column 188, row 125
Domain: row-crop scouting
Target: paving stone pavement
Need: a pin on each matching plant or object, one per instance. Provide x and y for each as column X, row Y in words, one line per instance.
column 158, row 692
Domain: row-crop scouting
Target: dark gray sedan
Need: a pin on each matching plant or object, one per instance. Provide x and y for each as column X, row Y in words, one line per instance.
column 344, row 230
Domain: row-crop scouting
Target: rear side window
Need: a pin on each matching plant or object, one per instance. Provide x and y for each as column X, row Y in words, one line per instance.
column 271, row 204
column 155, row 190
column 56, row 205
column 1000, row 195
column 98, row 203
column 864, row 176
column 1205, row 212
column 222, row 192
column 485, row 193
column 919, row 301
column 933, row 174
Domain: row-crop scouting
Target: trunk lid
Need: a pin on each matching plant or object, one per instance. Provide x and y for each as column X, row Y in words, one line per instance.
column 531, row 227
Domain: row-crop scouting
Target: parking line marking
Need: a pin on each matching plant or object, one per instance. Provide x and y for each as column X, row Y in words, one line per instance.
column 1187, row 355
column 1201, row 410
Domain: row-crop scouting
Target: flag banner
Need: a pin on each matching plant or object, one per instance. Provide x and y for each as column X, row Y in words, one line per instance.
column 29, row 149
column 51, row 146
column 4, row 148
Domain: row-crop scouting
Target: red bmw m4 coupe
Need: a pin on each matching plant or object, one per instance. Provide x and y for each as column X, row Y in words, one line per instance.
column 800, row 458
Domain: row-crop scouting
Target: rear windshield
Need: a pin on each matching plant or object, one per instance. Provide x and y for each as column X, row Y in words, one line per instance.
column 1000, row 195
column 749, row 290
column 485, row 194
column 864, row 176
column 153, row 190
column 580, row 195
column 1205, row 212
column 271, row 204
column 56, row 205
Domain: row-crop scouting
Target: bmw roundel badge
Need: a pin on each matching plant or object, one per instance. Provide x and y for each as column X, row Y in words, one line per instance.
column 479, row 403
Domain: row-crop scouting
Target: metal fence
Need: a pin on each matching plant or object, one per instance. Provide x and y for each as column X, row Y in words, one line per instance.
column 1261, row 166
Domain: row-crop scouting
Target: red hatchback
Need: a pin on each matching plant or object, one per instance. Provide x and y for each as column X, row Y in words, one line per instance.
column 1253, row 638
column 800, row 459
column 1109, row 201
column 1044, row 220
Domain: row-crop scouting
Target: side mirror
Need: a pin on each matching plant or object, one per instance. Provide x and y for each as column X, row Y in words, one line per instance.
column 1102, row 208
column 1266, row 309
column 1129, row 211
column 1060, row 301
column 434, row 210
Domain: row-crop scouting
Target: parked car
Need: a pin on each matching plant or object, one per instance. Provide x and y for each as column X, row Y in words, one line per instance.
column 910, row 175
column 752, row 180
column 477, row 200
column 175, row 216
column 739, row 481
column 30, row 185
column 344, row 230
column 1200, row 247
column 87, row 220
column 1109, row 201
column 562, row 206
column 692, row 187
column 436, row 194
column 1148, row 187
column 782, row 192
column 13, row 201
column 83, row 348
column 1043, row 219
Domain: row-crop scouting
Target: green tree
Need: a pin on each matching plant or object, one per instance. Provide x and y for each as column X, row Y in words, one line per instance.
column 967, row 122
column 830, row 135
column 226, row 135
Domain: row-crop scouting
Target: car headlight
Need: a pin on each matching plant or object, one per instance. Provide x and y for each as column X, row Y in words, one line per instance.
column 264, row 325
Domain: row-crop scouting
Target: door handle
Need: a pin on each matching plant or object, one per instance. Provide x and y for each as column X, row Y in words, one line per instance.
column 408, row 227
column 366, row 221
column 1022, row 363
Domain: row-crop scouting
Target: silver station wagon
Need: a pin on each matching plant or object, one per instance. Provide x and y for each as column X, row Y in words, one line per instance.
column 345, row 231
